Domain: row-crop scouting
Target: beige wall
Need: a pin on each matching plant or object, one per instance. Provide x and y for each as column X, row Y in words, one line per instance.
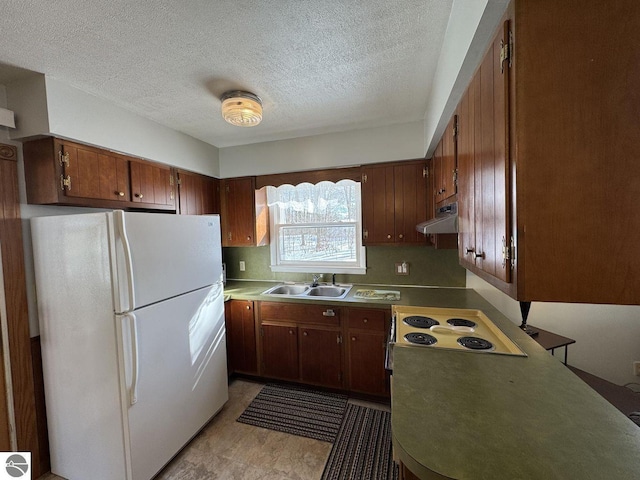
column 382, row 144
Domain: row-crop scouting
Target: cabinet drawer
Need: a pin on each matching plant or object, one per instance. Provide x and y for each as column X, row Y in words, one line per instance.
column 300, row 313
column 368, row 319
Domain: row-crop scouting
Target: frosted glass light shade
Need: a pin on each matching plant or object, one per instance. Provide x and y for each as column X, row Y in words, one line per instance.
column 242, row 109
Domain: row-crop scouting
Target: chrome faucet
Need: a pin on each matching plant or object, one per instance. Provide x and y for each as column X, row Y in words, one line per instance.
column 333, row 279
column 316, row 277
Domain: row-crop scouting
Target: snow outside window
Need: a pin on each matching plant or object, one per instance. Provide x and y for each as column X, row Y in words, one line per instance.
column 316, row 228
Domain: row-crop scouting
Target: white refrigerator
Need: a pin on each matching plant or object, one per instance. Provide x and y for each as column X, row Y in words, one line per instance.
column 131, row 315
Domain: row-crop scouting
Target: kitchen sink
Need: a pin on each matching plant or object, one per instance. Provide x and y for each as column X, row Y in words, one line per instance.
column 305, row 290
column 332, row 291
column 288, row 290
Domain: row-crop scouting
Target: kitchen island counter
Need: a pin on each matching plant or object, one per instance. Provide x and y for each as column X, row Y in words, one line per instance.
column 470, row 415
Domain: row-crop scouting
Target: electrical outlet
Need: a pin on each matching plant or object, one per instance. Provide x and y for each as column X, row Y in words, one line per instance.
column 402, row 268
column 636, row 369
column 242, row 266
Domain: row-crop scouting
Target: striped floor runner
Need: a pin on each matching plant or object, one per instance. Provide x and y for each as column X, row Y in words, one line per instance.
column 297, row 411
column 362, row 450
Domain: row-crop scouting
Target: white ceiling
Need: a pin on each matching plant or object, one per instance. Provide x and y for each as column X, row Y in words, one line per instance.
column 319, row 66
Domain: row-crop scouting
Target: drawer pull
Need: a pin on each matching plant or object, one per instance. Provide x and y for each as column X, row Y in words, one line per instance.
column 353, row 339
column 329, row 313
column 365, row 320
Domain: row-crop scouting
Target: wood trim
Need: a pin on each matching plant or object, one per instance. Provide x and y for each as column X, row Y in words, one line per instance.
column 16, row 300
column 311, row 176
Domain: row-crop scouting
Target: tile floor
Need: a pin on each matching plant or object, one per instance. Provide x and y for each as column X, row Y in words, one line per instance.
column 226, row 449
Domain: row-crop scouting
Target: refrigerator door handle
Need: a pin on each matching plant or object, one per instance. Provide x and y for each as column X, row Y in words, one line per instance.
column 133, row 328
column 126, row 247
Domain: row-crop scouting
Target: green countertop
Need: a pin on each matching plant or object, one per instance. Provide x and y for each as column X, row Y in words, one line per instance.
column 432, row 296
column 469, row 415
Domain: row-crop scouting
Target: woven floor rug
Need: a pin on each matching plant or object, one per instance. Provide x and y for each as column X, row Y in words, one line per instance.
column 297, row 411
column 362, row 450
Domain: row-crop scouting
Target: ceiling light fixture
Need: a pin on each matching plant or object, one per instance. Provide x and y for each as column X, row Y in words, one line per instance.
column 242, row 109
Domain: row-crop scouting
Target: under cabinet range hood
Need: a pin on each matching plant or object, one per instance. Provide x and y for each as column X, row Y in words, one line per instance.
column 446, row 221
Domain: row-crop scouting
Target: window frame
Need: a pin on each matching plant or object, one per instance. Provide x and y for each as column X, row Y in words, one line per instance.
column 278, row 265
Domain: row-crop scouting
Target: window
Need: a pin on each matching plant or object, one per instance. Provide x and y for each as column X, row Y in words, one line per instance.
column 316, row 228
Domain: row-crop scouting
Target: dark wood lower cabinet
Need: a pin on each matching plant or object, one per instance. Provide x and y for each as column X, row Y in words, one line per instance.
column 242, row 353
column 321, row 356
column 366, row 341
column 329, row 346
column 366, row 362
column 280, row 351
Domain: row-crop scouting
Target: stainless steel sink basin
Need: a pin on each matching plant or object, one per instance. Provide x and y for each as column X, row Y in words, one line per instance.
column 332, row 291
column 287, row 290
column 304, row 290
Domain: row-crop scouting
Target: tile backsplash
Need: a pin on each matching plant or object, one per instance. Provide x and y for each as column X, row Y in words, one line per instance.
column 427, row 267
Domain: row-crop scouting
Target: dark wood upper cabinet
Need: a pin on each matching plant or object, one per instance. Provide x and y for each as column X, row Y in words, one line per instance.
column 394, row 201
column 555, row 151
column 445, row 164
column 198, row 194
column 483, row 170
column 60, row 172
column 152, row 184
column 244, row 213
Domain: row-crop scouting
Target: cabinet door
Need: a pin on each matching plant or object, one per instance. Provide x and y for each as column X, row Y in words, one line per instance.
column 152, row 184
column 366, row 362
column 448, row 171
column 483, row 199
column 491, row 165
column 438, row 174
column 241, row 337
column 197, row 194
column 91, row 174
column 366, row 347
column 238, row 212
column 378, row 205
column 279, row 351
column 466, row 178
column 410, row 201
column 320, row 357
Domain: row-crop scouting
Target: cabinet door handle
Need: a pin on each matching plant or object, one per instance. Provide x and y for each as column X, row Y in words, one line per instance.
column 389, row 236
column 290, row 332
column 120, row 194
column 365, row 320
column 479, row 255
column 138, row 195
column 401, row 236
column 248, row 238
column 469, row 250
column 353, row 339
column 329, row 313
column 305, row 333
column 248, row 307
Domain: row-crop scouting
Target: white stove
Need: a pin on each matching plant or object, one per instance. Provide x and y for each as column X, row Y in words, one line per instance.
column 449, row 328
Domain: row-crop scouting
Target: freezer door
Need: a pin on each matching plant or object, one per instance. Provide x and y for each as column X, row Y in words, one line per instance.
column 175, row 374
column 160, row 256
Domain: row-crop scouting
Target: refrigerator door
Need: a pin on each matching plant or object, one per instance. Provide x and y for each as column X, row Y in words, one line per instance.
column 160, row 256
column 79, row 350
column 174, row 357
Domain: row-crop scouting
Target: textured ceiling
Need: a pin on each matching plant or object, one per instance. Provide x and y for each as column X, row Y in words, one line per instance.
column 319, row 66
